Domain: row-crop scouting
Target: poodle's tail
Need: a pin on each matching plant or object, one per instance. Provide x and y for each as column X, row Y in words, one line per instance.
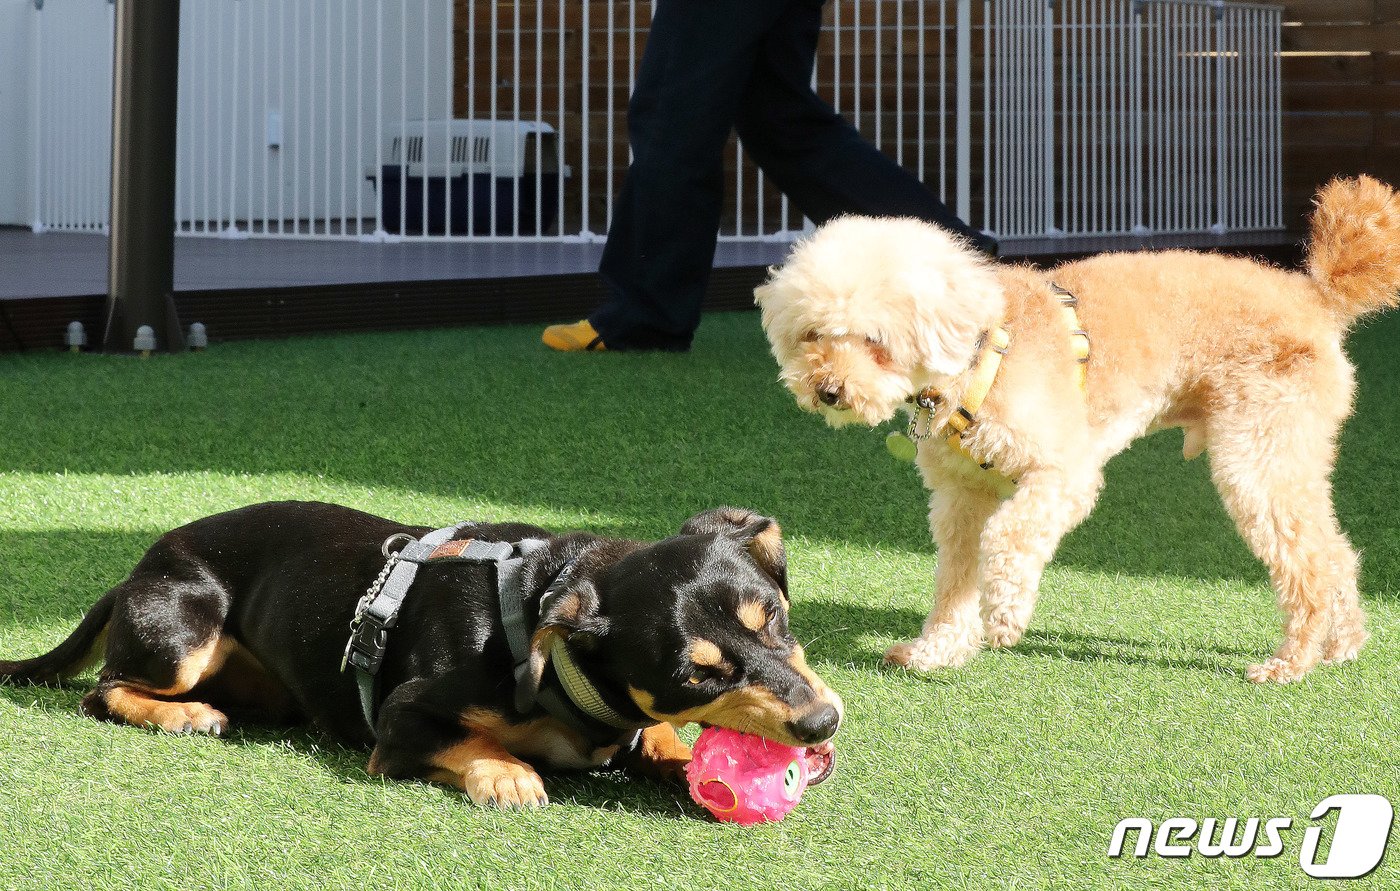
column 1354, row 256
column 68, row 658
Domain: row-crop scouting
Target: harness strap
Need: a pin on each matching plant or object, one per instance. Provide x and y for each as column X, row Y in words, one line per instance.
column 988, row 362
column 579, row 704
column 378, row 611
column 1078, row 337
column 513, row 617
column 379, row 608
column 994, row 346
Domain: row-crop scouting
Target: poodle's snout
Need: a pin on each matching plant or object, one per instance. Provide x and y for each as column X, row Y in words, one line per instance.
column 829, row 394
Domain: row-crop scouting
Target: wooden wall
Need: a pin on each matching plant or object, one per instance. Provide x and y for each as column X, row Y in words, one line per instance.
column 1341, row 95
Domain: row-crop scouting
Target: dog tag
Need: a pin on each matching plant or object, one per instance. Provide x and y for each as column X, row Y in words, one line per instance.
column 901, row 446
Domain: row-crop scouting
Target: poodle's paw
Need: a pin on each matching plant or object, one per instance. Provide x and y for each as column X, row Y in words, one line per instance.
column 945, row 647
column 1276, row 670
column 1004, row 628
column 1343, row 646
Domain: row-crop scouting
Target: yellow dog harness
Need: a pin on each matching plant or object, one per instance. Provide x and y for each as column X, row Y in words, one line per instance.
column 994, row 345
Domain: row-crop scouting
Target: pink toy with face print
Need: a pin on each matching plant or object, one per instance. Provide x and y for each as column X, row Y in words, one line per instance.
column 746, row 779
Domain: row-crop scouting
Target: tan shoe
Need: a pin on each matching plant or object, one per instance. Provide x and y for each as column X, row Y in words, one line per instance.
column 576, row 338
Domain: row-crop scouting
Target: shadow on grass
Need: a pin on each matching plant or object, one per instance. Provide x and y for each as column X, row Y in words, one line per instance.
column 603, row 790
column 837, row 629
column 52, row 575
column 643, row 440
column 1092, row 648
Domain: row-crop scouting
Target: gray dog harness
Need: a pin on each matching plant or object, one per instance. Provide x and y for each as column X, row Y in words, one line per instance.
column 576, row 702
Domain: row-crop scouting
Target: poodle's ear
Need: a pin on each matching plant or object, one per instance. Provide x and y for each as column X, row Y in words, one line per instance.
column 761, row 536
column 571, row 615
column 946, row 347
column 951, row 325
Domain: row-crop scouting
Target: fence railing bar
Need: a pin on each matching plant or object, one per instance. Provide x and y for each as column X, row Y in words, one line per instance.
column 610, row 136
column 963, row 119
column 344, row 113
column 921, row 104
column 586, row 105
column 879, row 64
column 233, row 81
column 563, row 126
column 517, row 149
column 41, row 187
column 425, row 152
column 539, row 116
column 358, row 171
column 380, row 186
column 899, row 81
column 449, row 154
column 471, row 104
column 857, row 86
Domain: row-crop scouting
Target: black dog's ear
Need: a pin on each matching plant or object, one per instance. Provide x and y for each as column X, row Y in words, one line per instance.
column 761, row 535
column 571, row 615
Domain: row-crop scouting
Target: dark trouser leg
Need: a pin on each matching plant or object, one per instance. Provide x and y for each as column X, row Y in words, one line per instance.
column 812, row 154
column 661, row 244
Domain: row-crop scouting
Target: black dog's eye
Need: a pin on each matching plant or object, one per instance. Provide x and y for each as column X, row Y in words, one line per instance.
column 774, row 631
column 700, row 674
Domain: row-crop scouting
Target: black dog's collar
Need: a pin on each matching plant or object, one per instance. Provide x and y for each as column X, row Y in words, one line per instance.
column 583, row 705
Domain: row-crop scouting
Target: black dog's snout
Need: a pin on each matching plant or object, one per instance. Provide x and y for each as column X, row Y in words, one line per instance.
column 817, row 725
column 829, row 395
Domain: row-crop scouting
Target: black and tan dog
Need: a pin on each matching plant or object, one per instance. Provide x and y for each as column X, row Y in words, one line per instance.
column 246, row 612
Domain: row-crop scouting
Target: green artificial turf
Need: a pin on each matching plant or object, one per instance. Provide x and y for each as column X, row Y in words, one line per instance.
column 1126, row 698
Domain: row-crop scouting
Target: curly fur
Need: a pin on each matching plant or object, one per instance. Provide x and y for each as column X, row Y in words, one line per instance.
column 1246, row 358
column 1354, row 255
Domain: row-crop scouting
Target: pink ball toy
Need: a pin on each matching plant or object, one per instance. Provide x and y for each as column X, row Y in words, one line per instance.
column 747, row 779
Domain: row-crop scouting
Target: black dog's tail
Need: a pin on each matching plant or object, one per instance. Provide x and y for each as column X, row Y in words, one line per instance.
column 68, row 658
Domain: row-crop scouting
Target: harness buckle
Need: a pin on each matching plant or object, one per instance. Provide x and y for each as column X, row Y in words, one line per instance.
column 366, row 599
column 365, row 649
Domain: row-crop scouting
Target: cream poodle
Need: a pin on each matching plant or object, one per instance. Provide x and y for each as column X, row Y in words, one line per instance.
column 868, row 314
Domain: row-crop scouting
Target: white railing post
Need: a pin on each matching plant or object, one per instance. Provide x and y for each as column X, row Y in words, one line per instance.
column 964, row 110
column 1217, row 36
column 36, row 120
column 988, row 81
column 1136, row 155
column 585, row 127
column 1047, row 117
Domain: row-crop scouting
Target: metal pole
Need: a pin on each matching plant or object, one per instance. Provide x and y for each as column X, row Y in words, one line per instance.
column 141, row 265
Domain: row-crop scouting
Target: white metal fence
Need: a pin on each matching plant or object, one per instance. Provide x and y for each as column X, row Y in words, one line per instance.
column 1108, row 117
column 427, row 119
column 71, row 114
